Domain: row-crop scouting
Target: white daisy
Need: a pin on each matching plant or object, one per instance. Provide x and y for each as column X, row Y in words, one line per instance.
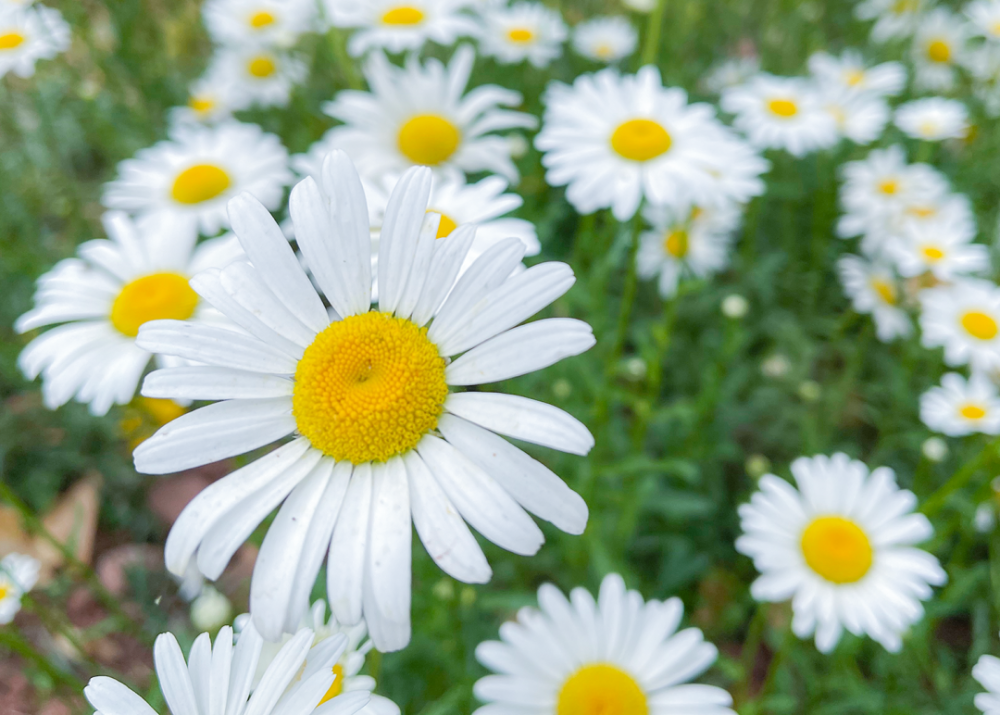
column 849, row 71
column 942, row 247
column 964, row 318
column 985, row 18
column 693, row 241
column 29, row 34
column 257, row 75
column 933, row 119
column 216, row 679
column 102, row 297
column 605, row 39
column 959, row 407
column 983, row 64
column 191, row 176
column 523, row 31
column 18, row 575
column 987, row 672
column 365, row 393
column 893, row 18
column 873, row 289
column 615, row 139
column 398, row 25
column 420, row 115
column 258, row 22
column 859, row 116
column 938, row 49
column 617, row 654
column 211, row 98
column 841, row 547
column 731, row 72
column 781, row 113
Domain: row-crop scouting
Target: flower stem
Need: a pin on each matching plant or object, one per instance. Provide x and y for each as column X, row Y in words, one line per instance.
column 748, row 654
column 26, row 650
column 651, row 47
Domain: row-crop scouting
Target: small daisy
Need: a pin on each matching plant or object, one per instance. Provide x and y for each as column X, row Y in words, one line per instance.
column 694, row 241
column 987, row 672
column 257, row 75
column 985, row 18
column 941, row 247
column 964, row 318
column 211, row 99
column 849, row 72
column 959, row 407
column 192, row 176
column 523, row 31
column 258, row 22
column 605, row 39
column 894, row 19
column 841, row 547
column 617, row 655
column 730, row 73
column 398, row 25
column 29, row 34
column 933, row 119
column 859, row 116
column 379, row 436
column 18, row 575
column 873, row 289
column 781, row 113
column 418, row 115
column 216, row 679
column 614, row 139
column 938, row 49
column 102, row 297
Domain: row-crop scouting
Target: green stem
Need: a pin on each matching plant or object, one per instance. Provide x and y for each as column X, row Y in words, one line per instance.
column 26, row 650
column 960, row 478
column 652, row 44
column 628, row 296
column 581, row 239
column 748, row 654
column 344, row 60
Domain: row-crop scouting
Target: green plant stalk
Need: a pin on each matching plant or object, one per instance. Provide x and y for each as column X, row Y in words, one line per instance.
column 26, row 650
column 748, row 654
column 344, row 60
column 960, row 478
column 56, row 623
column 654, row 27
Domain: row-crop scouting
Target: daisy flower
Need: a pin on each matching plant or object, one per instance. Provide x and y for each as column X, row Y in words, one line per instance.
column 18, row 575
column 964, row 319
column 378, row 433
column 694, row 241
column 523, row 31
column 730, row 73
column 216, row 679
column 983, row 64
column 894, row 19
column 959, row 407
column 987, row 672
column 873, row 289
column 99, row 300
column 849, row 72
column 29, row 34
column 841, row 546
column 398, row 25
column 420, row 115
column 617, row 654
column 257, row 75
column 859, row 116
column 938, row 49
column 191, row 176
column 781, row 113
column 985, row 18
column 614, row 139
column 605, row 39
column 933, row 119
column 211, row 99
column 942, row 247
column 258, row 22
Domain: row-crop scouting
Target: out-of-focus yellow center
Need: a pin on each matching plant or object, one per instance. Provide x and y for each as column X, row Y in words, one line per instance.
column 10, row 40
column 903, row 6
column 262, row 66
column 837, row 549
column 428, row 139
column 889, row 187
column 785, row 108
column 921, row 211
column 979, row 325
column 972, row 412
column 202, row 105
column 4, row 591
column 932, row 254
column 403, row 15
column 446, row 226
column 640, row 140
column 676, row 243
column 198, row 183
column 995, row 29
column 160, row 296
column 261, row 19
column 604, row 50
column 161, row 410
column 520, row 35
column 939, row 51
column 854, row 77
column 885, row 290
column 368, row 388
column 338, row 685
column 601, row 689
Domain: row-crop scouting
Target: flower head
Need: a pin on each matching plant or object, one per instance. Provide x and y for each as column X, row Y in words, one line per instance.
column 399, row 25
column 18, row 575
column 29, row 34
column 605, row 39
column 959, row 407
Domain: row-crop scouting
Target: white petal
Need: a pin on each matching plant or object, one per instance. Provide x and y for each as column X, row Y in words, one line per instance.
column 246, row 286
column 404, row 214
column 344, row 704
column 172, row 672
column 279, row 674
column 214, row 383
column 349, row 548
column 212, row 345
column 302, row 697
column 389, row 550
column 449, row 254
column 349, row 214
column 109, row 697
column 246, row 655
column 199, row 670
column 221, row 669
column 419, row 266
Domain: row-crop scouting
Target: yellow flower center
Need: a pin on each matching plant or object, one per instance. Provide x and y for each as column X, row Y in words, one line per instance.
column 837, row 549
column 932, row 254
column 338, row 685
column 159, row 296
column 262, row 19
column 403, row 15
column 921, row 211
column 428, row 139
column 446, row 226
column 368, row 388
column 604, row 50
column 10, row 40
column 903, row 6
column 938, row 51
column 262, row 66
column 676, row 243
column 979, row 325
column 601, row 689
column 995, row 29
column 640, row 140
column 520, row 35
column 198, row 183
column 785, row 108
column 4, row 591
column 202, row 105
column 889, row 187
column 885, row 289
column 162, row 411
column 972, row 412
column 854, row 77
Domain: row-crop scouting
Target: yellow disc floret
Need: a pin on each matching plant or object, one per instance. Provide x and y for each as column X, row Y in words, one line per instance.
column 601, row 689
column 520, row 35
column 785, row 108
column 159, row 296
column 262, row 66
column 938, row 51
column 262, row 19
column 428, row 139
column 10, row 40
column 198, row 183
column 676, row 243
column 338, row 685
column 972, row 412
column 640, row 140
column 885, row 290
column 368, row 388
column 447, row 225
column 980, row 325
column 403, row 15
column 837, row 549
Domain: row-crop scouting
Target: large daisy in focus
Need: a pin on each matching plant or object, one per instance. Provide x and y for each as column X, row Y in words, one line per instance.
column 964, row 319
column 192, row 176
column 398, row 25
column 420, row 115
column 258, row 22
column 614, row 139
column 29, row 34
column 616, row 655
column 379, row 436
column 959, row 407
column 101, row 298
column 841, row 547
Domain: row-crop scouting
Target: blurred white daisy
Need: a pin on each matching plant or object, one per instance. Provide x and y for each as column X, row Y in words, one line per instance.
column 102, row 297
column 848, row 71
column 605, row 39
column 216, row 679
column 398, row 25
column 983, row 64
column 614, row 139
column 731, row 72
column 522, row 31
column 941, row 246
column 420, row 115
column 781, row 113
column 686, row 242
column 859, row 116
column 617, row 655
column 18, row 575
column 933, row 119
column 985, row 18
column 894, row 19
column 361, row 391
column 211, row 99
column 987, row 672
column 257, row 75
column 191, row 176
column 964, row 318
column 841, row 546
column 29, row 34
column 873, row 289
column 938, row 49
column 258, row 22
column 959, row 407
